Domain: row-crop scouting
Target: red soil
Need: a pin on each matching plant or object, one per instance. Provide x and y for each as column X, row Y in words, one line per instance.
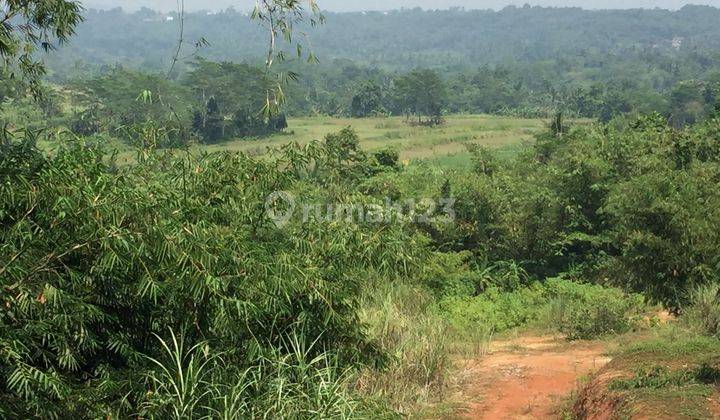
column 528, row 377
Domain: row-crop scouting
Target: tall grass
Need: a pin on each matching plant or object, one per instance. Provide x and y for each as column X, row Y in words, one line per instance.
column 196, row 382
column 404, row 321
column 704, row 312
column 181, row 383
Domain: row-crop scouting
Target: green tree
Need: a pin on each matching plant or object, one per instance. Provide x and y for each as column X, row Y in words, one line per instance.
column 421, row 93
column 229, row 99
column 121, row 98
column 368, row 100
column 690, row 101
column 29, row 24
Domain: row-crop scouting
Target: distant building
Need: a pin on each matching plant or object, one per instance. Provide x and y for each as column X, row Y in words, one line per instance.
column 677, row 42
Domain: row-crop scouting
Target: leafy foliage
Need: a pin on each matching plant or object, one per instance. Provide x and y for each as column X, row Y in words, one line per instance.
column 579, row 311
column 27, row 25
column 590, row 311
column 421, row 93
column 98, row 259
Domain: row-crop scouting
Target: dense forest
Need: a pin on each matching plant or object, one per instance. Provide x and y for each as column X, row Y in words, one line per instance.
column 167, row 285
column 409, row 38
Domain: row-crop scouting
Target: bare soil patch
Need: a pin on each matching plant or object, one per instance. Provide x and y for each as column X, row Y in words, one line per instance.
column 528, row 377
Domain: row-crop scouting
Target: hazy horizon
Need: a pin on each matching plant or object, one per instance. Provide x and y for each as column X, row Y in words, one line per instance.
column 360, row 5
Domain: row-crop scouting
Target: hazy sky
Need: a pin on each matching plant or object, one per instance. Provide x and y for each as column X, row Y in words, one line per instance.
column 354, row 5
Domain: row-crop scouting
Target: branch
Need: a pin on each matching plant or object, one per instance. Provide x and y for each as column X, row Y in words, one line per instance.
column 181, row 37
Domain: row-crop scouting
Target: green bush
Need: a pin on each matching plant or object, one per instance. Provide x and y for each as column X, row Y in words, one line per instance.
column 389, row 157
column 586, row 311
column 579, row 311
column 97, row 261
column 494, row 309
column 449, row 274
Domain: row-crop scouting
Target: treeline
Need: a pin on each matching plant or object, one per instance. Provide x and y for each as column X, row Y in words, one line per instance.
column 219, row 101
column 527, row 90
column 212, row 102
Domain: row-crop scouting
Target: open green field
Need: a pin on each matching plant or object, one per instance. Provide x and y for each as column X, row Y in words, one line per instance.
column 444, row 144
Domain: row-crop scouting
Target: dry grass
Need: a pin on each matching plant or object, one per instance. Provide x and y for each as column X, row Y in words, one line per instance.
column 376, row 133
column 420, row 375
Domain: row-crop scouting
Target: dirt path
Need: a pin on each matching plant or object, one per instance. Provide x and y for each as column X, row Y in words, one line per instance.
column 528, row 377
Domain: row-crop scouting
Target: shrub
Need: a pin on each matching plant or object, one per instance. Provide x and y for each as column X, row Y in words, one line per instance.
column 585, row 311
column 580, row 311
column 704, row 311
column 448, row 274
column 388, row 157
column 495, row 310
column 484, row 161
column 98, row 260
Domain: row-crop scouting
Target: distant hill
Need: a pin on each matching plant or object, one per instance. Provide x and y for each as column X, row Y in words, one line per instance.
column 403, row 39
column 359, row 5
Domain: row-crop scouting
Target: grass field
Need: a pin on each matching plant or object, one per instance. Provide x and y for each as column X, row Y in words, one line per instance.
column 444, row 145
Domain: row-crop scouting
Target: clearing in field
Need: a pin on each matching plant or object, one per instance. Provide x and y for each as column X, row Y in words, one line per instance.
column 444, row 144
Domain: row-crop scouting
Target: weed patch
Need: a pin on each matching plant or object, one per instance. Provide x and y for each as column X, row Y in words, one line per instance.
column 401, row 318
column 662, row 377
column 580, row 311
